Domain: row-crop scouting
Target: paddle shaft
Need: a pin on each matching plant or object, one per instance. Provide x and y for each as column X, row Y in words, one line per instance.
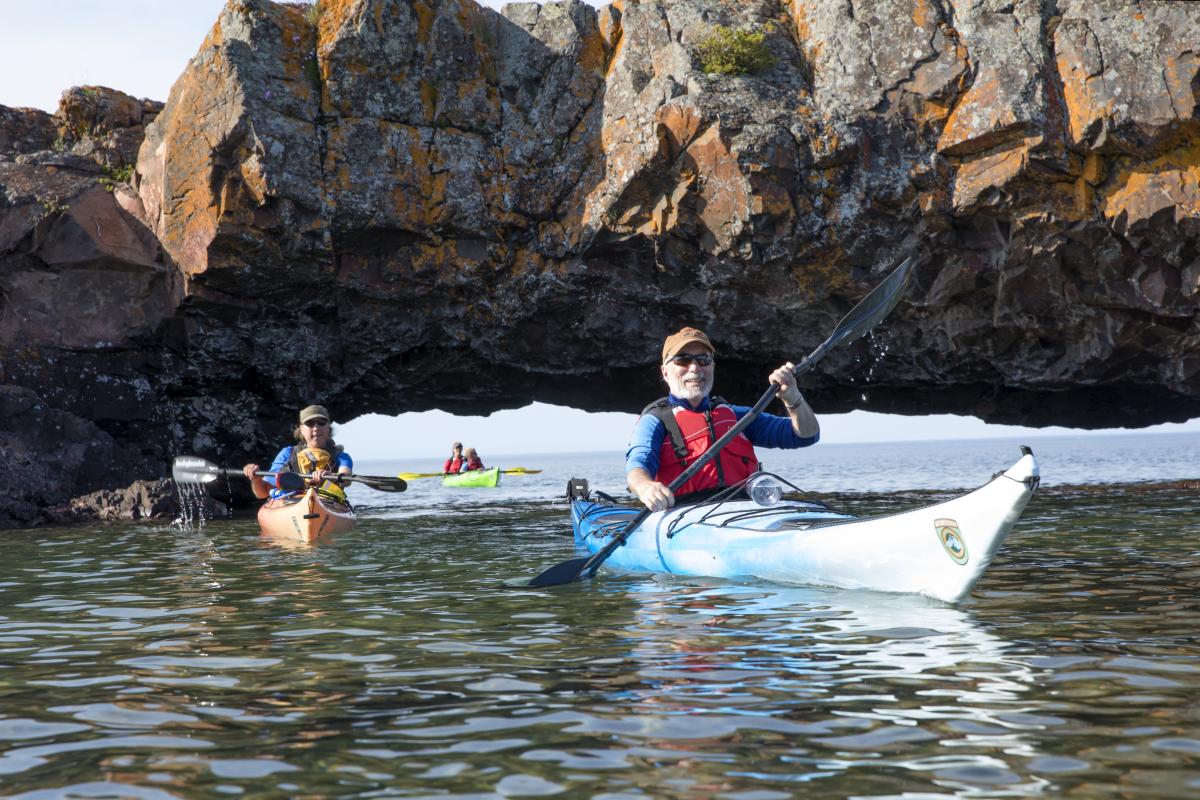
column 378, row 483
column 381, row 484
column 262, row 473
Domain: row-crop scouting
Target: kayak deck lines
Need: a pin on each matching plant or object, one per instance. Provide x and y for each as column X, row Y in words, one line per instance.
column 728, row 518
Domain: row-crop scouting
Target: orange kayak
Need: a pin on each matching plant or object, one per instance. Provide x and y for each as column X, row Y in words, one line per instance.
column 305, row 517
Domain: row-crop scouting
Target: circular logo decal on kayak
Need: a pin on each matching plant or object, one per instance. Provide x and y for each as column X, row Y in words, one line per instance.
column 952, row 539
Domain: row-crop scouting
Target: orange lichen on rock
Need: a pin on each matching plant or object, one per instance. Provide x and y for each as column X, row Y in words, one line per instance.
column 769, row 197
column 608, row 23
column 723, row 189
column 593, row 52
column 426, row 14
column 1143, row 190
column 979, row 121
column 1087, row 102
column 992, row 171
column 677, row 125
column 1093, row 170
column 296, row 40
column 817, row 274
column 924, row 14
column 800, row 22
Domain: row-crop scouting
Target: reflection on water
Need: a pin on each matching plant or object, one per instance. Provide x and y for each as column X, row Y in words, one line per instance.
column 145, row 661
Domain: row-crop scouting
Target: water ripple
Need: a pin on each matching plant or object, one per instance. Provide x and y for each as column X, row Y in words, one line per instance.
column 394, row 662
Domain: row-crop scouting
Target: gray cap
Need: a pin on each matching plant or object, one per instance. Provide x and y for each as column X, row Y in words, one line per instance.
column 313, row 412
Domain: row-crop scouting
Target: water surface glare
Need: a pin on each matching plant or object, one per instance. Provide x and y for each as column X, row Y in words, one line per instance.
column 152, row 662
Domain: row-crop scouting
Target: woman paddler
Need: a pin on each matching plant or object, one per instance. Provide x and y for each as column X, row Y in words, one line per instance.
column 315, row 453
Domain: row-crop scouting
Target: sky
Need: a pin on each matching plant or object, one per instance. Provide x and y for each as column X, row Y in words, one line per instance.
column 141, row 47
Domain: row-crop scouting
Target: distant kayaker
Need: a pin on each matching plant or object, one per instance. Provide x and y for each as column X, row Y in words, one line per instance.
column 471, row 460
column 455, row 462
column 315, row 453
column 674, row 431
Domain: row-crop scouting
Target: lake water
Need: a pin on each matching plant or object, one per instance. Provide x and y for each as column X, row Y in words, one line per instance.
column 152, row 661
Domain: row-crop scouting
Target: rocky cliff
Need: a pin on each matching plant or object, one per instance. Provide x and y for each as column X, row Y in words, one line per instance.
column 398, row 205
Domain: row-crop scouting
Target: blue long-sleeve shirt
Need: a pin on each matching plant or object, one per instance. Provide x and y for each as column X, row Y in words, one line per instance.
column 281, row 464
column 767, row 430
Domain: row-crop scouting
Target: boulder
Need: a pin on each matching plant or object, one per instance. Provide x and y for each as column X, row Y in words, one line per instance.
column 25, row 130
column 145, row 500
column 104, row 124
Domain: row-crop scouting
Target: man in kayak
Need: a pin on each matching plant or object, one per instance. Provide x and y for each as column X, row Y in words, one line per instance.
column 674, row 431
column 315, row 453
column 455, row 461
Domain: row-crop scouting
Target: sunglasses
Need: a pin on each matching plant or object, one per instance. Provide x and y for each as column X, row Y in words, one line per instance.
column 685, row 360
column 315, row 423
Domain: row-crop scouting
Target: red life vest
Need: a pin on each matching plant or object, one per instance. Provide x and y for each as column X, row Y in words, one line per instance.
column 453, row 463
column 690, row 434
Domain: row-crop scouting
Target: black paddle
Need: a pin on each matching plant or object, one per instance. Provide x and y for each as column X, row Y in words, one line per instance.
column 862, row 318
column 191, row 469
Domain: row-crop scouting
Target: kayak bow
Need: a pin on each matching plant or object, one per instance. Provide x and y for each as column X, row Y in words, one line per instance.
column 305, row 517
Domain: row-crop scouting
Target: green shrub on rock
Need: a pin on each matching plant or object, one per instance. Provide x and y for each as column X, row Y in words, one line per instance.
column 731, row 51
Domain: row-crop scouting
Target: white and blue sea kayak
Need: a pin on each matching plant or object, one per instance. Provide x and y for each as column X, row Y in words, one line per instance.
column 939, row 551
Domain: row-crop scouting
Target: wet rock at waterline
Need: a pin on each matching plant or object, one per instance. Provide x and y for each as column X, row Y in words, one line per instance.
column 147, row 500
column 397, row 206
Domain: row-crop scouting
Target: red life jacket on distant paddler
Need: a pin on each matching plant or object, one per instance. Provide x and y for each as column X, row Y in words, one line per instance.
column 689, row 435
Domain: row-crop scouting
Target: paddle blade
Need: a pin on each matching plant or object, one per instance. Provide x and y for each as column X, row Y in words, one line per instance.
column 412, row 476
column 289, row 482
column 867, row 314
column 379, row 483
column 519, row 471
column 192, row 469
column 562, row 573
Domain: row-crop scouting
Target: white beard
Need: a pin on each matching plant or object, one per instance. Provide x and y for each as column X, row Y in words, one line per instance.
column 690, row 390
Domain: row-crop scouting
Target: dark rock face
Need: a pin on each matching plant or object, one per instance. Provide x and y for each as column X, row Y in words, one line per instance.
column 53, row 456
column 397, row 205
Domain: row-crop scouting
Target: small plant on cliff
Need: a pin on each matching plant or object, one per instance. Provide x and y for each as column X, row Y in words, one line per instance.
column 314, row 12
column 111, row 176
column 731, row 51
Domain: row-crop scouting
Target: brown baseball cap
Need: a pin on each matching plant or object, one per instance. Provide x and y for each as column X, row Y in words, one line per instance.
column 314, row 412
column 684, row 336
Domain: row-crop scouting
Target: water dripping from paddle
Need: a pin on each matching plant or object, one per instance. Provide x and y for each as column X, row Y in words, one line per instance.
column 878, row 349
column 193, row 505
